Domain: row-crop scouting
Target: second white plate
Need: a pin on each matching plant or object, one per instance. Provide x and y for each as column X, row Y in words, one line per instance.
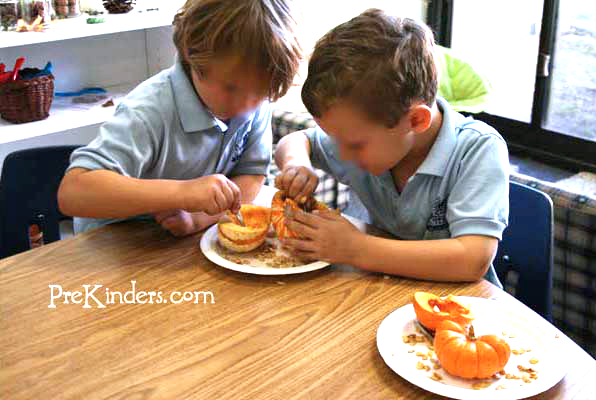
column 492, row 317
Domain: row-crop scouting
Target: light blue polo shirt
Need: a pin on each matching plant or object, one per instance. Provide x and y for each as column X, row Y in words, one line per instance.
column 461, row 188
column 162, row 130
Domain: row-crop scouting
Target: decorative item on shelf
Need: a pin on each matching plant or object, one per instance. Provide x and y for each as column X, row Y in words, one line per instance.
column 95, row 20
column 8, row 15
column 29, row 97
column 118, row 6
column 91, row 7
column 85, row 96
column 67, row 8
column 45, row 8
column 33, row 15
column 61, row 8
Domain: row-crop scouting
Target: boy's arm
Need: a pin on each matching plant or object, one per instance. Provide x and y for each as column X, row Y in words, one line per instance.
column 107, row 194
column 250, row 186
column 293, row 150
column 465, row 258
column 334, row 239
column 297, row 177
column 298, row 153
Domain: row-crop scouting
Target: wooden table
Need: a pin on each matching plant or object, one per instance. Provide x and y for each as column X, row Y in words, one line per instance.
column 308, row 336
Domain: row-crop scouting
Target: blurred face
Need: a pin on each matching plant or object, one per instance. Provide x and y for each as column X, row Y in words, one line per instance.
column 369, row 144
column 229, row 88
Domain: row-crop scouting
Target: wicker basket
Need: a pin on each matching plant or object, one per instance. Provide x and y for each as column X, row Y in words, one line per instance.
column 26, row 100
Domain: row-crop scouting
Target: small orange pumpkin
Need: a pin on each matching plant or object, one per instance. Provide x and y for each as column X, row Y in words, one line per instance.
column 431, row 309
column 463, row 354
column 278, row 205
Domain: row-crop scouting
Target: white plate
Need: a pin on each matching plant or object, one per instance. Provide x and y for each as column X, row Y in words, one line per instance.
column 209, row 241
column 208, row 247
column 491, row 317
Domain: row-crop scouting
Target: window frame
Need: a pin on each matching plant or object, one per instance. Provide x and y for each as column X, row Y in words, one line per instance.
column 528, row 139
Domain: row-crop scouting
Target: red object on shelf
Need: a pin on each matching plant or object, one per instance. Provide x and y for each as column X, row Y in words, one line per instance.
column 11, row 76
column 17, row 66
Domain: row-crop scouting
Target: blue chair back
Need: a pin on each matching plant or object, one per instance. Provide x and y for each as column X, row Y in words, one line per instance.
column 28, row 195
column 527, row 248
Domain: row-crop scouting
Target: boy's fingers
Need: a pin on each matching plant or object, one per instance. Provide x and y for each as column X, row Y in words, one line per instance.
column 308, row 219
column 305, row 255
column 278, row 182
column 162, row 215
column 230, row 196
column 287, row 177
column 329, row 215
column 309, row 188
column 300, row 245
column 237, row 193
column 169, row 223
column 173, row 225
column 221, row 203
column 297, row 185
column 301, row 229
column 233, row 192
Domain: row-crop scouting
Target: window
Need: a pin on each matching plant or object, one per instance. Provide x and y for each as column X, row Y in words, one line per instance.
column 506, row 56
column 572, row 100
column 540, row 56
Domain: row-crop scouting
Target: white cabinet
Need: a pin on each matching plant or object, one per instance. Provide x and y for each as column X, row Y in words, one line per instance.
column 116, row 55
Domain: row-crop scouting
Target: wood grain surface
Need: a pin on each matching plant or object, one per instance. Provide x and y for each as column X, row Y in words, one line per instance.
column 307, row 336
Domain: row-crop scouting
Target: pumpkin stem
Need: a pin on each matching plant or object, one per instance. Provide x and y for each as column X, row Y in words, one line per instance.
column 471, row 334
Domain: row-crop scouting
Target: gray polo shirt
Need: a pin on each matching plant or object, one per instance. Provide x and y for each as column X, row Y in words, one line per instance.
column 162, row 130
column 461, row 188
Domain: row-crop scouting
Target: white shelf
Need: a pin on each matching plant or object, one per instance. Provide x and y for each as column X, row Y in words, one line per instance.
column 64, row 115
column 73, row 28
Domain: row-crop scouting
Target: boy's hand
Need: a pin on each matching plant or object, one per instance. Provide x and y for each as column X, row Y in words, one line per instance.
column 298, row 182
column 324, row 236
column 182, row 223
column 212, row 194
column 177, row 222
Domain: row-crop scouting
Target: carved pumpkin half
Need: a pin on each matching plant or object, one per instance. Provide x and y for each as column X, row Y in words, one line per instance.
column 242, row 238
column 463, row 354
column 431, row 309
column 279, row 204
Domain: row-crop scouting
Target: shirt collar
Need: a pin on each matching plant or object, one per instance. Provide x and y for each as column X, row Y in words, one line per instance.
column 436, row 161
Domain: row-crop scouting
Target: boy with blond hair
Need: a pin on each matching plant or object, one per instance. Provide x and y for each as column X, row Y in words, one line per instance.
column 431, row 177
column 194, row 140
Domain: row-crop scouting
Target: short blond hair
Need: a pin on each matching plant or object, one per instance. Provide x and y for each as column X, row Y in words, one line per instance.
column 379, row 63
column 262, row 32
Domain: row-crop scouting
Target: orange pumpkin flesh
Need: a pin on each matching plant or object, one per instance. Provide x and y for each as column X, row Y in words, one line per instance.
column 278, row 205
column 449, row 308
column 242, row 238
column 464, row 355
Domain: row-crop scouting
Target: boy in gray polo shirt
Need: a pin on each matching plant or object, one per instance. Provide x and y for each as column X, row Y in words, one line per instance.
column 436, row 180
column 194, row 140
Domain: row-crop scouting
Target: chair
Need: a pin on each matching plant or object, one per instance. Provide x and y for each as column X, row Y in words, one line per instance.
column 527, row 248
column 28, row 196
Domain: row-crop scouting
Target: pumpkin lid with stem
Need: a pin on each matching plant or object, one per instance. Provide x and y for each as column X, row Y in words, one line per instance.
column 431, row 309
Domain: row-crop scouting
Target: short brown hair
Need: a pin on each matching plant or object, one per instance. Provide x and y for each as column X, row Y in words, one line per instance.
column 379, row 63
column 262, row 32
